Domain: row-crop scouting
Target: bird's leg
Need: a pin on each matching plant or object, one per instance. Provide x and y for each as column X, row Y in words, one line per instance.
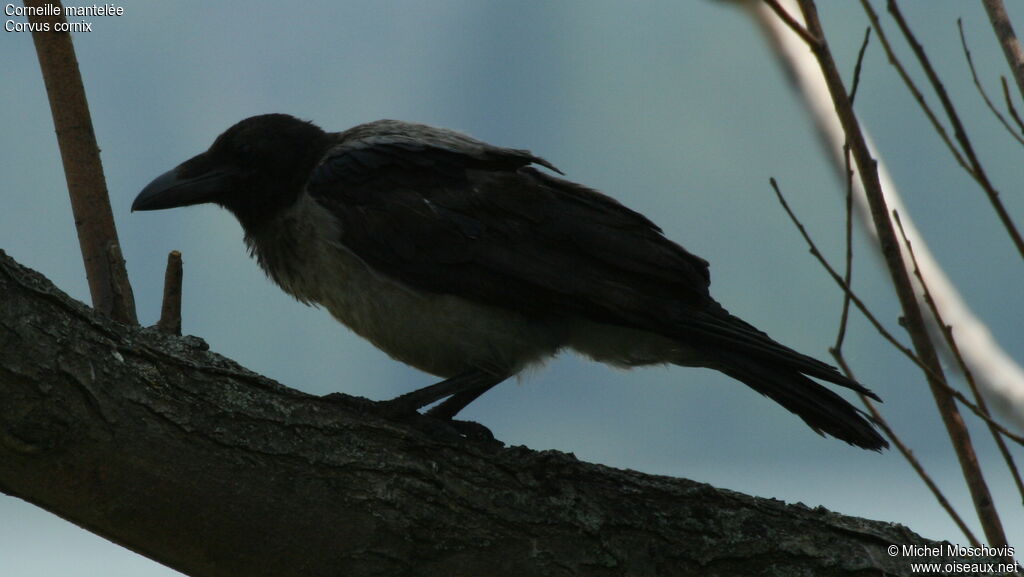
column 455, row 403
column 459, row 388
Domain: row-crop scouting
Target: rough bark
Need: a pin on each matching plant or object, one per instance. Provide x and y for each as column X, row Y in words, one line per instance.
column 154, row 442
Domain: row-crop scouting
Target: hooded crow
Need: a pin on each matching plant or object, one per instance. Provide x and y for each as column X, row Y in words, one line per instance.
column 464, row 260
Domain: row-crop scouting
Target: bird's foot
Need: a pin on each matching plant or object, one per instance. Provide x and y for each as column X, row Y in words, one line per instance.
column 456, row 392
column 398, row 410
column 434, row 425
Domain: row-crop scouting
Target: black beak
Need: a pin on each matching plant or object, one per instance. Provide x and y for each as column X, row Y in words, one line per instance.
column 177, row 187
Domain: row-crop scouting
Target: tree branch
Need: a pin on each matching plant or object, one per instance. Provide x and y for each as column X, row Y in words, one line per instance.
column 181, row 455
column 868, row 170
column 170, row 310
column 1007, row 39
column 94, row 221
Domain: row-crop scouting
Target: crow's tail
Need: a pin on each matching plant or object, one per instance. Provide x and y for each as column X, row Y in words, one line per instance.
column 824, row 411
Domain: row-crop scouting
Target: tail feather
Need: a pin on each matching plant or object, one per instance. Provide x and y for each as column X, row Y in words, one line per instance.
column 824, row 411
column 721, row 341
column 733, row 333
column 719, row 329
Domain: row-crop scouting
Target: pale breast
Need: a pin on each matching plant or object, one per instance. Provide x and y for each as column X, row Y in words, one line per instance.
column 441, row 334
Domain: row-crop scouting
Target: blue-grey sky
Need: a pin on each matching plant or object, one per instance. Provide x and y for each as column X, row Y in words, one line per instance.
column 674, row 107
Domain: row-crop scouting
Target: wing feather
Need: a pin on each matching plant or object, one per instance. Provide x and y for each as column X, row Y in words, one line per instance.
column 486, row 226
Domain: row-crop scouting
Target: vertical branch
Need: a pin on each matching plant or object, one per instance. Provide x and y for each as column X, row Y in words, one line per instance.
column 890, row 249
column 170, row 311
column 104, row 267
column 947, row 334
column 1007, row 39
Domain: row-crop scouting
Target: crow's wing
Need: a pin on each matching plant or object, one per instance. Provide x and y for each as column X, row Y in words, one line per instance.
column 489, row 228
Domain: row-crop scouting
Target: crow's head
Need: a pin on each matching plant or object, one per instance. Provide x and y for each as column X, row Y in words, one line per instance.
column 254, row 169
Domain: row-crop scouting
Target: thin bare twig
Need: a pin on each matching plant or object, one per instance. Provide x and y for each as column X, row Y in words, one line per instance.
column 947, row 333
column 170, row 311
column 857, row 67
column 981, row 89
column 848, row 173
column 813, row 248
column 844, row 316
column 97, row 236
column 1009, row 104
column 959, row 132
